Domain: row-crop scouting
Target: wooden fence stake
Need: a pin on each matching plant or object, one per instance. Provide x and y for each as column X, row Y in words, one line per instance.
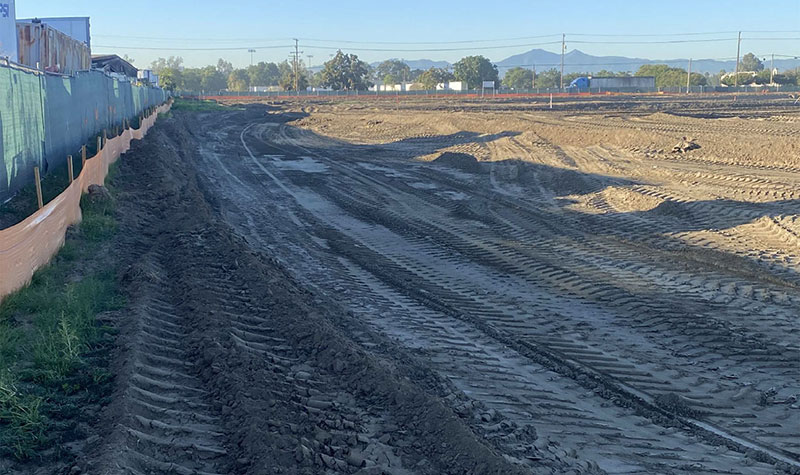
column 83, row 157
column 37, row 177
column 99, row 144
column 69, row 169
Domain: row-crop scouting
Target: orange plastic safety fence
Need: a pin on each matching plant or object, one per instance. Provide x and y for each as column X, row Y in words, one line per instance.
column 31, row 244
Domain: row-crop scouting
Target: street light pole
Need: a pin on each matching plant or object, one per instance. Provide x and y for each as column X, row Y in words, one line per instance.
column 563, row 49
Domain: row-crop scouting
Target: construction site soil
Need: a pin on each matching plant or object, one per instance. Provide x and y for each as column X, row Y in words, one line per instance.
column 460, row 287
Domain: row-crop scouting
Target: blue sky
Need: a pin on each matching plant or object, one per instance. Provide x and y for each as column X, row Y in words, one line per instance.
column 510, row 25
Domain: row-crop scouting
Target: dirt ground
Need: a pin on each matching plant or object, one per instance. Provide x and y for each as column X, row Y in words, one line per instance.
column 460, row 287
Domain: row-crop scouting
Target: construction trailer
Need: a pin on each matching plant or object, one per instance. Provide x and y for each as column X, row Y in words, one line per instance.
column 76, row 27
column 43, row 47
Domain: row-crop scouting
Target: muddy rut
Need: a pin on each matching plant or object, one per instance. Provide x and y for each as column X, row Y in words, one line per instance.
column 227, row 365
column 308, row 296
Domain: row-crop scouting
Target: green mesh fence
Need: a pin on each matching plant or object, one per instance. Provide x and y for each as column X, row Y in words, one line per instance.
column 44, row 118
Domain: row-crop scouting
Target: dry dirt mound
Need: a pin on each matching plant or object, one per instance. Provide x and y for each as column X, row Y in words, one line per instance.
column 624, row 199
column 461, row 161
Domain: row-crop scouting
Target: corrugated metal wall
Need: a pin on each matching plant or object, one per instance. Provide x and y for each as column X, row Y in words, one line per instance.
column 44, row 118
column 42, row 45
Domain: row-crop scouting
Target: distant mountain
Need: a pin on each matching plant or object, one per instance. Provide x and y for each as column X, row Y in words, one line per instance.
column 577, row 61
column 423, row 64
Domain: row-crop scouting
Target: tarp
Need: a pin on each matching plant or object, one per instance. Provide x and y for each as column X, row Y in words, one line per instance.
column 44, row 118
column 30, row 244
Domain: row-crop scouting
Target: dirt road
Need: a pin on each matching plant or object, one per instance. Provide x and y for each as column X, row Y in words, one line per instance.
column 341, row 288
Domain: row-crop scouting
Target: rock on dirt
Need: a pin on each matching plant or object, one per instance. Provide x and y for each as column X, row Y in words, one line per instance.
column 99, row 193
column 685, row 145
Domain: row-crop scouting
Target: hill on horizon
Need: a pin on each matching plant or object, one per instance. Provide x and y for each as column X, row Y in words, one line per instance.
column 577, row 61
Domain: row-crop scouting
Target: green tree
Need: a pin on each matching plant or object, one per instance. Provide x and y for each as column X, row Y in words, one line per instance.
column 170, row 79
column 225, row 67
column 391, row 79
column 345, row 72
column 238, row 80
column 518, row 78
column 430, row 78
column 211, row 80
column 287, row 79
column 191, row 79
column 473, row 70
column 173, row 62
column 397, row 70
column 670, row 77
column 264, row 74
column 751, row 63
column 604, row 73
column 548, row 78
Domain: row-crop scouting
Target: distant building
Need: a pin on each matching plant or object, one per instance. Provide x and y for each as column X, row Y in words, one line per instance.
column 451, row 86
column 41, row 46
column 76, row 27
column 265, row 88
column 148, row 76
column 113, row 64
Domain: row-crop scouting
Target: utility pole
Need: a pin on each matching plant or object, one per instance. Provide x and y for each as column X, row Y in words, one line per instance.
column 295, row 62
column 563, row 49
column 689, row 76
column 533, row 84
column 309, row 56
column 738, row 51
column 772, row 70
column 296, row 59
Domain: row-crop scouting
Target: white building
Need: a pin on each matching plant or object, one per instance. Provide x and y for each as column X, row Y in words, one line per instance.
column 149, row 76
column 451, row 86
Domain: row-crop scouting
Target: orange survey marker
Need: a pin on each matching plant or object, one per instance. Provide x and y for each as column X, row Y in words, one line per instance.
column 30, row 244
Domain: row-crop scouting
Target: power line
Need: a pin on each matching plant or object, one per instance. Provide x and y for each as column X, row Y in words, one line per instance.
column 228, row 48
column 485, row 40
column 518, row 38
column 422, row 50
column 705, row 40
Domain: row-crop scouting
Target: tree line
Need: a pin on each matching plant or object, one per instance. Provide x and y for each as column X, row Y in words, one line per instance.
column 342, row 72
column 346, row 72
column 752, row 71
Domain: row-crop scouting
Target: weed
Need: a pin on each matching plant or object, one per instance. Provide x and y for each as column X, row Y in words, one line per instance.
column 193, row 105
column 23, row 419
column 46, row 332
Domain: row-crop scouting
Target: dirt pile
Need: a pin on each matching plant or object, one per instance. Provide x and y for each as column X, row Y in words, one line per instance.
column 461, row 161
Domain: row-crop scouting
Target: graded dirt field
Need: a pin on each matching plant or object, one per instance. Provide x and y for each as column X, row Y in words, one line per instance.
column 461, row 287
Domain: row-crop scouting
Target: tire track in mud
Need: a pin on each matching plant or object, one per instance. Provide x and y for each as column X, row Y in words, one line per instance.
column 228, row 367
column 701, row 330
column 557, row 345
column 755, row 358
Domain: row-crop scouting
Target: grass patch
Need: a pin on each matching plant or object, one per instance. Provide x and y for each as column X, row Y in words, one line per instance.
column 196, row 105
column 53, row 358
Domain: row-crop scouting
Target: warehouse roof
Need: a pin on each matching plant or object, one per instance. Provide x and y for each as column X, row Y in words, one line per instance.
column 114, row 64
